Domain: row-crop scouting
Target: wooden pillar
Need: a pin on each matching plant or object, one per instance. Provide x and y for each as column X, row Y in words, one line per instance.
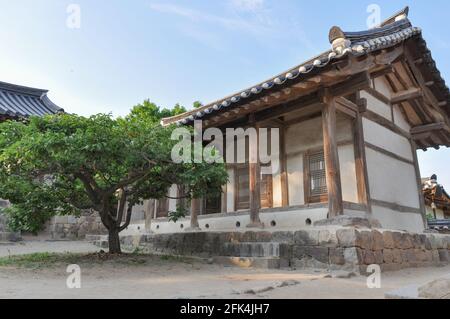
column 223, row 200
column 283, row 169
column 419, row 184
column 362, row 176
column 331, row 157
column 255, row 182
column 195, row 208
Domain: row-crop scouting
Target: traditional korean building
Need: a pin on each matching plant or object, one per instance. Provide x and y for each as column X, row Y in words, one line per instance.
column 19, row 102
column 437, row 200
column 350, row 122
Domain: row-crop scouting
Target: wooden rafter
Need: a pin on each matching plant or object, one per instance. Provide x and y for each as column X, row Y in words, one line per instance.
column 406, row 95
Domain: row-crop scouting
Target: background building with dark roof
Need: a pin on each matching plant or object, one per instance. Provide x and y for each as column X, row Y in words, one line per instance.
column 19, row 102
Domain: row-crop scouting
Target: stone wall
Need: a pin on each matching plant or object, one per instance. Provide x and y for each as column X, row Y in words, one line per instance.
column 72, row 227
column 326, row 247
column 3, row 221
column 5, row 234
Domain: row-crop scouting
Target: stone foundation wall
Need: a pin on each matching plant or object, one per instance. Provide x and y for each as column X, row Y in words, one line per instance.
column 72, row 227
column 332, row 248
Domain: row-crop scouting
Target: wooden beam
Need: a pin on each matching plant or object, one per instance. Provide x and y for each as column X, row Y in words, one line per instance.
column 333, row 175
column 347, row 107
column 380, row 120
column 429, row 128
column 396, row 207
column 362, row 105
column 425, row 85
column 407, row 95
column 303, row 118
column 288, row 107
column 357, row 82
column 265, row 112
column 382, row 72
column 379, row 96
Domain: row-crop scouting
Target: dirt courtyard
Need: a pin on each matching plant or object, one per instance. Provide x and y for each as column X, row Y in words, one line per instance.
column 158, row 277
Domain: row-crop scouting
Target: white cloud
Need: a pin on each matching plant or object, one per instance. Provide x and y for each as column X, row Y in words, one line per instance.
column 253, row 17
column 235, row 24
column 248, row 5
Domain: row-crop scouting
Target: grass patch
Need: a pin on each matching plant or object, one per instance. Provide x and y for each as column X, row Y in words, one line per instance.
column 51, row 260
column 38, row 260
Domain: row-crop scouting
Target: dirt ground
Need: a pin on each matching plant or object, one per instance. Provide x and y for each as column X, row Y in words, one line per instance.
column 171, row 278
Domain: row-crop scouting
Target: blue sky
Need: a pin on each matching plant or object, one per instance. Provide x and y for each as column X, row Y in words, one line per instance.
column 182, row 51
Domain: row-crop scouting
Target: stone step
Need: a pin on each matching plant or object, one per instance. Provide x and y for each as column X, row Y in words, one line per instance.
column 250, row 262
column 251, row 249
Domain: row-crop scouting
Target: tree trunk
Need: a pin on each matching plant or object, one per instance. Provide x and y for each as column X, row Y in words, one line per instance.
column 114, row 241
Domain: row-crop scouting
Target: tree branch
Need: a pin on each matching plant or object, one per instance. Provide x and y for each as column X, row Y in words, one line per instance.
column 122, row 202
column 128, row 219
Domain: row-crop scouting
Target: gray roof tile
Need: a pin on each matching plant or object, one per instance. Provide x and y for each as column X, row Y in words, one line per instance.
column 20, row 101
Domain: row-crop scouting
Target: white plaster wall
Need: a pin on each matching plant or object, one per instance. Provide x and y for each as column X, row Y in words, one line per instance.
column 308, row 135
column 377, row 106
column 344, row 129
column 138, row 212
column 386, row 139
column 134, row 229
column 276, row 184
column 304, row 136
column 392, row 180
column 382, row 86
column 230, row 190
column 399, row 119
column 348, row 173
column 295, row 180
column 284, row 220
column 394, row 220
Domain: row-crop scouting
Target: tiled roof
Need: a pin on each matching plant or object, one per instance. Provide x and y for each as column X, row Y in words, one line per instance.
column 392, row 32
column 440, row 225
column 20, row 102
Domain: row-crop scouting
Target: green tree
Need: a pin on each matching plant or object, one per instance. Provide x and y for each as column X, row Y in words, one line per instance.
column 150, row 111
column 61, row 164
column 197, row 104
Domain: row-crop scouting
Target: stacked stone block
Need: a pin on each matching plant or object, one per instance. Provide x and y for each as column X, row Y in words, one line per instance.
column 334, row 248
column 73, row 228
